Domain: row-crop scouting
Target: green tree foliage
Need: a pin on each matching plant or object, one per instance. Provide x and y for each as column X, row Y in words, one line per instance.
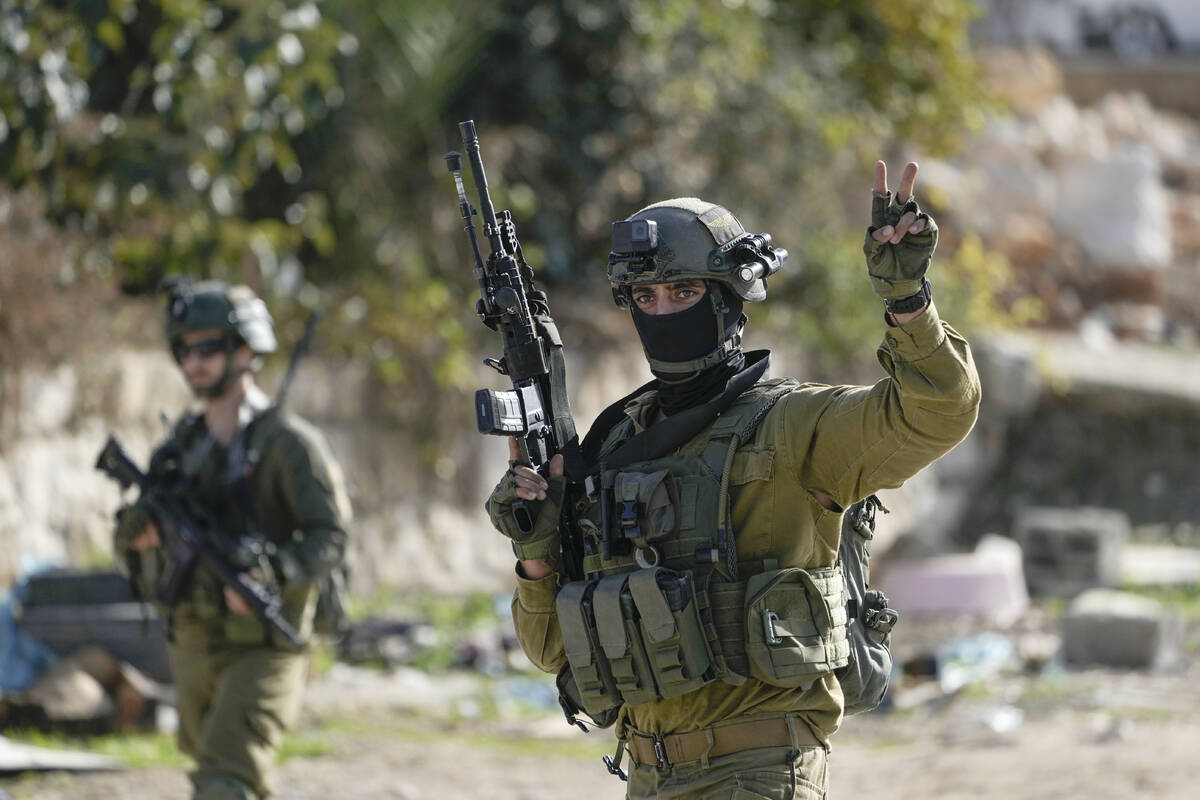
column 179, row 131
column 297, row 144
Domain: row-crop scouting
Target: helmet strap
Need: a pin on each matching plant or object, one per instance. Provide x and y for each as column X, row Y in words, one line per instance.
column 229, row 374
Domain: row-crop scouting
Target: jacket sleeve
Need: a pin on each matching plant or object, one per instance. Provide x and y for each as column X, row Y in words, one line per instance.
column 312, row 490
column 850, row 441
column 537, row 622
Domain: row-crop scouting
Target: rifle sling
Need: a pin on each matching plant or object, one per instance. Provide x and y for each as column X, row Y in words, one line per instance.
column 676, row 430
column 560, row 405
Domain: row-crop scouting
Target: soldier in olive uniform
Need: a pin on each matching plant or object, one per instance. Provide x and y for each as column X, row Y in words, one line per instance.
column 711, row 624
column 261, row 473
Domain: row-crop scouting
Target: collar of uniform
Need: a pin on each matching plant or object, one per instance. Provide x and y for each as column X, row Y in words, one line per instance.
column 254, row 403
column 641, row 409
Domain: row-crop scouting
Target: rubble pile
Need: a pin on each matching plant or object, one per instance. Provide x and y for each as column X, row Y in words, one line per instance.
column 1097, row 208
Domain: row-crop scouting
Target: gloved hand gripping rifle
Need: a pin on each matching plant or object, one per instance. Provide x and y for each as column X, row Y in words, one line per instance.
column 536, row 410
column 187, row 539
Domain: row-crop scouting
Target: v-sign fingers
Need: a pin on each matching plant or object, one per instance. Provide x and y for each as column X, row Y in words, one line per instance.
column 905, row 192
column 902, row 227
column 880, row 177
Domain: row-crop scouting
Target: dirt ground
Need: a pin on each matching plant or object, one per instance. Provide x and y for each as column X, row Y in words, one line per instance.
column 1077, row 735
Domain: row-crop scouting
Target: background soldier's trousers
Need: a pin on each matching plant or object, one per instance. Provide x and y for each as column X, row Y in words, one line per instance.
column 235, row 703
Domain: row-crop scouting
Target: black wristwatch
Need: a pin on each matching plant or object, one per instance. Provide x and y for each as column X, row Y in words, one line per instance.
column 914, row 302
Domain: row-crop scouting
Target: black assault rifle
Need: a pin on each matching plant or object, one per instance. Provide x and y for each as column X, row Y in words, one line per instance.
column 536, row 410
column 187, row 539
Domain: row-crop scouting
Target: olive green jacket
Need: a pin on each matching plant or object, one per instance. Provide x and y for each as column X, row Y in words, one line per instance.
column 302, row 509
column 844, row 441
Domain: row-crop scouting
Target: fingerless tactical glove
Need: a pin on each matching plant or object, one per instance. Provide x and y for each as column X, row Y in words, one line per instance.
column 540, row 541
column 898, row 270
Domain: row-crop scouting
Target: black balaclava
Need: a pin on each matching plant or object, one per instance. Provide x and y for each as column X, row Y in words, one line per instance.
column 690, row 335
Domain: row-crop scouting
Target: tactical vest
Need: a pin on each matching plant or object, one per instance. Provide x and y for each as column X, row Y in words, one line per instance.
column 666, row 607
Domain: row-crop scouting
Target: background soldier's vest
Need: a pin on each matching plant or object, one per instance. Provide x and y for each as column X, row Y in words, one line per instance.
column 666, row 607
column 221, row 479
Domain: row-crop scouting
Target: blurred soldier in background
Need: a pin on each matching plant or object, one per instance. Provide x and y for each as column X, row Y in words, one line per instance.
column 711, row 620
column 268, row 481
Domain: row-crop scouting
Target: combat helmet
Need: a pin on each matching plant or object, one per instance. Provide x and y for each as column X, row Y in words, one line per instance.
column 214, row 305
column 688, row 238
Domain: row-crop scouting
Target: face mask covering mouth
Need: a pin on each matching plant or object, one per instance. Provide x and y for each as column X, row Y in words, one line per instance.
column 672, row 342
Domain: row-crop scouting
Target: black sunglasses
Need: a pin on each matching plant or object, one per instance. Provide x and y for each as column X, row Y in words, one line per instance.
column 205, row 348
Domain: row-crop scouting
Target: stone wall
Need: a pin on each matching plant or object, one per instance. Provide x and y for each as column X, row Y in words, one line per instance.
column 419, row 521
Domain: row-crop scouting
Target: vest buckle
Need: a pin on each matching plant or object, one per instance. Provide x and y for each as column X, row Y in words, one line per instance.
column 628, row 520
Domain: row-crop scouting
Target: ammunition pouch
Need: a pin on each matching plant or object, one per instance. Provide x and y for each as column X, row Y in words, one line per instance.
column 647, row 506
column 634, row 637
column 796, row 625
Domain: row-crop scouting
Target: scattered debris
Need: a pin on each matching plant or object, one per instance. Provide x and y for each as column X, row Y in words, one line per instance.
column 973, row 659
column 985, row 726
column 1037, row 650
column 388, row 642
column 22, row 657
column 1105, row 727
column 26, row 758
column 70, row 609
column 88, row 692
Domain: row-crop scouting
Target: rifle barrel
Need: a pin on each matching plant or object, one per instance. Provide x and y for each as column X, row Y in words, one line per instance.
column 486, row 209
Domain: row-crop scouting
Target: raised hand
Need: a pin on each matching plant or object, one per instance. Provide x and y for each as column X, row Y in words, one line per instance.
column 908, row 222
column 901, row 239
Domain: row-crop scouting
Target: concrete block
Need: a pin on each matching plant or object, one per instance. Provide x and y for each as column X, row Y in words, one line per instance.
column 1067, row 550
column 1124, row 184
column 987, row 584
column 1160, row 565
column 1114, row 629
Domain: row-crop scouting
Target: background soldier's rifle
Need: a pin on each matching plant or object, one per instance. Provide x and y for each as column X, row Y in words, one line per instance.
column 187, row 537
column 536, row 410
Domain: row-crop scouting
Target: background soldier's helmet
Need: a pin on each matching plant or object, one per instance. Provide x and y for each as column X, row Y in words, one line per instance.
column 212, row 305
column 688, row 238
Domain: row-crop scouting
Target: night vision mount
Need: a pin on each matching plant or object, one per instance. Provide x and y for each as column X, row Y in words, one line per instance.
column 741, row 261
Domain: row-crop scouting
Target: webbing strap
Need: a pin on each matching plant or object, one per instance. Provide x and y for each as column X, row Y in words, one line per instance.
column 656, row 614
column 610, row 625
column 678, row 429
column 569, row 605
column 723, row 351
column 562, row 422
column 723, row 225
column 742, row 422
